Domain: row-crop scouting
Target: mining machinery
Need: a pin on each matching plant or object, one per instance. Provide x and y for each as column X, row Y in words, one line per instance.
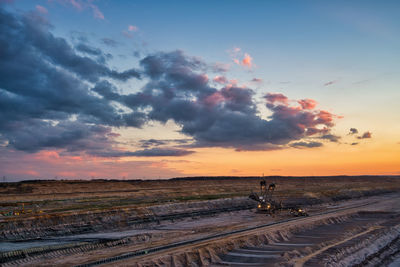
column 267, row 204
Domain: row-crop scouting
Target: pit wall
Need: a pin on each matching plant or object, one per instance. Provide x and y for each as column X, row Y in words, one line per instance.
column 373, row 251
column 208, row 254
column 77, row 223
column 23, row 228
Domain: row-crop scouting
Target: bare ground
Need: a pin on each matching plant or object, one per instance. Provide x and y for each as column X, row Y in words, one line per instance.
column 93, row 220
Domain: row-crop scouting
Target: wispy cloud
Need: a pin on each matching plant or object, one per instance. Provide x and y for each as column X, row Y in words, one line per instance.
column 130, row 30
column 41, row 9
column 220, row 67
column 330, row 83
column 257, row 80
column 81, row 5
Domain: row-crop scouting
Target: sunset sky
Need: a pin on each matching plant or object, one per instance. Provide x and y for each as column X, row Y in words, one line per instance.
column 161, row 89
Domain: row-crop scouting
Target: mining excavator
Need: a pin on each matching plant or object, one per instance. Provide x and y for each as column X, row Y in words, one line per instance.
column 266, row 203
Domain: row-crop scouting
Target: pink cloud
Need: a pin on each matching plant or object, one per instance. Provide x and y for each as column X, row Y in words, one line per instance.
column 30, row 173
column 306, row 119
column 47, row 155
column 96, row 11
column 41, row 9
column 129, row 33
column 203, row 78
column 220, row 79
column 77, row 5
column 276, row 97
column 325, row 117
column 307, row 103
column 234, row 51
column 214, row 99
column 133, row 28
column 247, row 60
column 48, row 164
column 232, row 83
column 81, row 5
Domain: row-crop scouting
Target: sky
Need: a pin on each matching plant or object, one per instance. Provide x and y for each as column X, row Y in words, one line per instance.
column 161, row 89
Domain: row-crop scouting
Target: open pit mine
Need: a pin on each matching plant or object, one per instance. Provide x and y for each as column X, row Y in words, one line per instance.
column 219, row 221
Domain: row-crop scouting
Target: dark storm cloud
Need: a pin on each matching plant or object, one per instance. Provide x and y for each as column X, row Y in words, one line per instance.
column 306, row 144
column 52, row 97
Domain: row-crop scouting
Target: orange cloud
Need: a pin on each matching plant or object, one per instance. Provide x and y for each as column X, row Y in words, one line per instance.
column 247, row 60
column 307, row 103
